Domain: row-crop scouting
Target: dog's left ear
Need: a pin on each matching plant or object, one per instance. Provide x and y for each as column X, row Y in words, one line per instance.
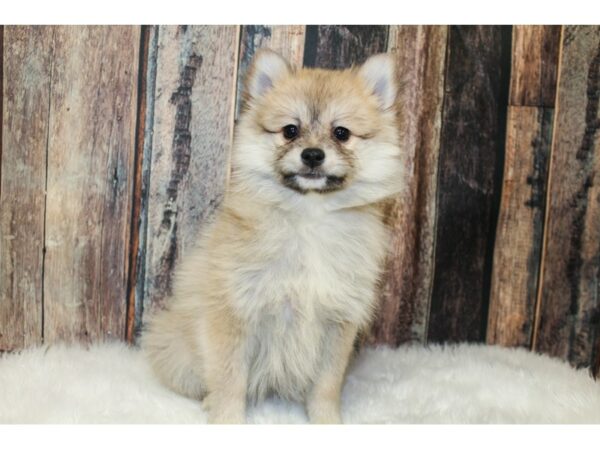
column 379, row 74
column 267, row 67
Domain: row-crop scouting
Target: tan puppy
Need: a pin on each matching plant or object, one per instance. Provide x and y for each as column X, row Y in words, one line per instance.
column 281, row 282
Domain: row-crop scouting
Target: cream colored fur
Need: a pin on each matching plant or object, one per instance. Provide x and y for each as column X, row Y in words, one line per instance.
column 284, row 278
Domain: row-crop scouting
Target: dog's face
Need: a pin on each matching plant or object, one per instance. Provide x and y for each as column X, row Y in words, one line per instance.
column 319, row 132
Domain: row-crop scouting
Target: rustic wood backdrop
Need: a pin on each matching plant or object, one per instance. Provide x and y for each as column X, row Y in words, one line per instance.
column 115, row 151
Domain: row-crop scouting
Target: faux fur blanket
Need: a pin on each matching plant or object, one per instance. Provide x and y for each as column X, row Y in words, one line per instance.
column 111, row 383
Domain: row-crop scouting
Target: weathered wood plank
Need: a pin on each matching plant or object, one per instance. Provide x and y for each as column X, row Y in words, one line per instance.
column 404, row 312
column 26, row 89
column 90, row 178
column 534, row 65
column 287, row 40
column 1, row 96
column 340, row 46
column 519, row 234
column 519, row 237
column 193, row 113
column 568, row 323
column 469, row 181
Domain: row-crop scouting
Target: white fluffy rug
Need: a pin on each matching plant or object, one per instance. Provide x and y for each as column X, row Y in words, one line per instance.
column 111, row 383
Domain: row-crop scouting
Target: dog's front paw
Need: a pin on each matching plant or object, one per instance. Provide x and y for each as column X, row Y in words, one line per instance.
column 225, row 417
column 324, row 412
column 223, row 411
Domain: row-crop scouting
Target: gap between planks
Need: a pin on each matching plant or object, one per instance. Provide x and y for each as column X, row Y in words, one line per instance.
column 135, row 219
column 538, row 301
column 42, row 331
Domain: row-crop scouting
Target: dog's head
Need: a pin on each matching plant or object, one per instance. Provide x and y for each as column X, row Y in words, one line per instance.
column 323, row 134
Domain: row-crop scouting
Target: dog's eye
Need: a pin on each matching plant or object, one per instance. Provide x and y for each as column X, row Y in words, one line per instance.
column 341, row 134
column 290, row 131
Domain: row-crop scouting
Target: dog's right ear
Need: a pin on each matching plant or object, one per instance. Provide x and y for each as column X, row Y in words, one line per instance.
column 266, row 68
column 379, row 74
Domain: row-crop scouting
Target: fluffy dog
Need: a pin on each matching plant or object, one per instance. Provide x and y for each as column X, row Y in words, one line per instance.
column 280, row 283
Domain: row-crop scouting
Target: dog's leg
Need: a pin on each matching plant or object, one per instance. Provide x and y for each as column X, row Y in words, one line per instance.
column 323, row 402
column 226, row 372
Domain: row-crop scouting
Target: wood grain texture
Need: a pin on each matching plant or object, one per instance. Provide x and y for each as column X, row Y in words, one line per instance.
column 26, row 90
column 287, row 40
column 469, row 181
column 341, row 46
column 404, row 311
column 1, row 96
column 192, row 125
column 90, row 178
column 519, row 236
column 534, row 65
column 569, row 304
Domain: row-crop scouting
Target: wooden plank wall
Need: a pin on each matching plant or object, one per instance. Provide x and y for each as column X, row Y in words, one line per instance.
column 67, row 160
column 92, row 112
column 115, row 151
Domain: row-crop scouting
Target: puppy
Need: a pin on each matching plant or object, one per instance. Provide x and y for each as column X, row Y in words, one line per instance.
column 280, row 283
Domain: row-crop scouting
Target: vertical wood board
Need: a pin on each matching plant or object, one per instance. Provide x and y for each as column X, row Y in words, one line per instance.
column 469, row 181
column 404, row 312
column 534, row 65
column 517, row 254
column 90, row 177
column 27, row 62
column 519, row 235
column 192, row 125
column 569, row 305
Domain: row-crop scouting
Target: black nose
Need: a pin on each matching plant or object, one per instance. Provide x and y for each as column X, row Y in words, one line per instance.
column 313, row 157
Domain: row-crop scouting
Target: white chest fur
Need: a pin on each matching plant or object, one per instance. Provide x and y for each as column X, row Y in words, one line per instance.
column 320, row 265
column 301, row 274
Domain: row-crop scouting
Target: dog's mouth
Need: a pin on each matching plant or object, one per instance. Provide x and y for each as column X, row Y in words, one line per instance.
column 313, row 181
column 311, row 175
